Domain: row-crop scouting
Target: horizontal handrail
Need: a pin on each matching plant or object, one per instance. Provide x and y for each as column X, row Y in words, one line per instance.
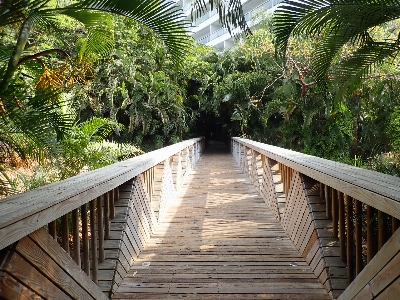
column 344, row 220
column 370, row 187
column 24, row 213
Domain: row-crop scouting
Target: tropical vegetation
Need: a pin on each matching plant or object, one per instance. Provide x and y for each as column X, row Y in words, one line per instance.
column 87, row 83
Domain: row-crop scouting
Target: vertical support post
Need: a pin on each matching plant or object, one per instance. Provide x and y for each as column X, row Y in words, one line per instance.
column 381, row 229
column 65, row 233
column 116, row 194
column 350, row 238
column 75, row 235
column 359, row 250
column 85, row 240
column 395, row 224
column 328, row 202
column 342, row 234
column 321, row 190
column 370, row 234
column 93, row 239
column 107, row 216
column 335, row 213
column 112, row 204
column 100, row 227
column 53, row 229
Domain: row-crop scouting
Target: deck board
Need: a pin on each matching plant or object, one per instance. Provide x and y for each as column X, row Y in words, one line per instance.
column 218, row 240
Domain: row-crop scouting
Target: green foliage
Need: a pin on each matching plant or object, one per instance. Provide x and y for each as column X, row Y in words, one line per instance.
column 85, row 148
column 393, row 129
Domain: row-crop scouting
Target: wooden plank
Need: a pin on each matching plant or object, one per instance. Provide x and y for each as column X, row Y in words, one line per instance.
column 76, row 238
column 10, row 288
column 93, row 241
column 85, row 239
column 52, row 249
column 373, row 188
column 39, row 258
column 383, row 281
column 24, row 213
column 24, row 272
column 218, row 236
column 388, row 251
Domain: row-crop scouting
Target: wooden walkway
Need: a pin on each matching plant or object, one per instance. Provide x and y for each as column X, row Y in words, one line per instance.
column 219, row 241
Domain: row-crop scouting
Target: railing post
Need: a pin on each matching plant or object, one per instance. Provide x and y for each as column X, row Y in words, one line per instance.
column 359, row 250
column 65, row 233
column 100, row 227
column 381, row 229
column 328, row 202
column 370, row 234
column 112, row 203
column 93, row 239
column 76, row 239
column 350, row 238
column 53, row 229
column 85, row 240
column 335, row 213
column 107, row 216
column 342, row 237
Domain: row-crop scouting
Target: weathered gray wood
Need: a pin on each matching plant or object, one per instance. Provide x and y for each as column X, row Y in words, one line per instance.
column 24, row 213
column 76, row 238
column 85, row 239
column 373, row 188
column 93, row 241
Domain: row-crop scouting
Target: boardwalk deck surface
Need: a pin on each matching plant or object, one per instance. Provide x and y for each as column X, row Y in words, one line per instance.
column 219, row 241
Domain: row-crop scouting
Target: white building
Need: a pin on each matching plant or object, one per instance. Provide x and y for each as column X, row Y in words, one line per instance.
column 207, row 29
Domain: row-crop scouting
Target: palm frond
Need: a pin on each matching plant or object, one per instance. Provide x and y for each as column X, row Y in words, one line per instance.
column 335, row 22
column 359, row 65
column 163, row 17
column 39, row 119
column 230, row 13
column 15, row 11
column 100, row 38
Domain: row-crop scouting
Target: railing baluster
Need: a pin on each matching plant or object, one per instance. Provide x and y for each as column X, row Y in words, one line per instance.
column 359, row 250
column 370, row 234
column 381, row 229
column 85, row 240
column 350, row 238
column 100, row 227
column 65, row 233
column 107, row 216
column 75, row 235
column 335, row 213
column 112, row 203
column 395, row 224
column 328, row 202
column 53, row 229
column 342, row 235
column 321, row 190
column 116, row 194
column 93, row 238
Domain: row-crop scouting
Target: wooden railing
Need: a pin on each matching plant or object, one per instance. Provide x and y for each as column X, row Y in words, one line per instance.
column 344, row 220
column 102, row 219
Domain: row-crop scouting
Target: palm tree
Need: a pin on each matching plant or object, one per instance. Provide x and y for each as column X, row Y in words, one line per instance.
column 164, row 18
column 337, row 23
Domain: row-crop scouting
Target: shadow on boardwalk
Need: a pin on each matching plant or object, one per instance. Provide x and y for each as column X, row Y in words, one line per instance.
column 219, row 241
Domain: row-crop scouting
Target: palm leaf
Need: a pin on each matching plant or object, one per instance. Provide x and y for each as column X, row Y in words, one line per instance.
column 15, row 11
column 337, row 22
column 230, row 13
column 164, row 18
column 100, row 38
column 359, row 65
column 35, row 122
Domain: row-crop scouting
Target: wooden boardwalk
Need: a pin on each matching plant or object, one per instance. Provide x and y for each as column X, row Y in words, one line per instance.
column 219, row 241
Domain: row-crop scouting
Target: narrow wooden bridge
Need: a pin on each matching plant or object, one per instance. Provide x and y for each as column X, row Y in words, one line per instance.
column 259, row 223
